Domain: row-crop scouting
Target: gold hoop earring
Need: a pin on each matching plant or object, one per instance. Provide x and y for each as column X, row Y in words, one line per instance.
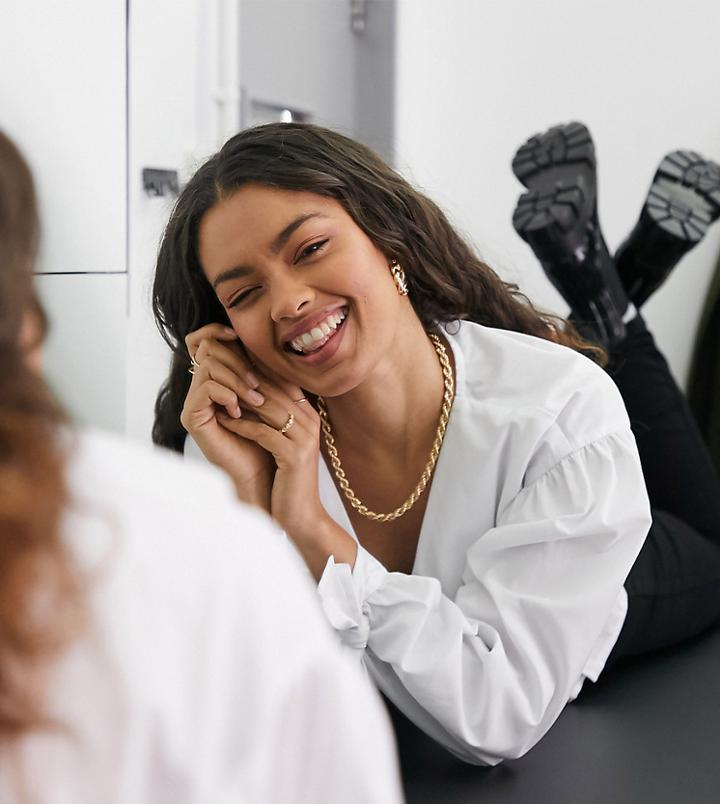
column 398, row 276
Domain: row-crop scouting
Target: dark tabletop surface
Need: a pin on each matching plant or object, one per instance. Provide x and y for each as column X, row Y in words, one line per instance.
column 648, row 731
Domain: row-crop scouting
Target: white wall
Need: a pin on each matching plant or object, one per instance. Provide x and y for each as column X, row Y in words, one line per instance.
column 62, row 99
column 374, row 87
column 301, row 53
column 474, row 79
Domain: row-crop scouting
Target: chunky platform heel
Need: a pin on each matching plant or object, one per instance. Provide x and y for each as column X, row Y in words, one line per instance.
column 683, row 201
column 561, row 153
column 558, row 219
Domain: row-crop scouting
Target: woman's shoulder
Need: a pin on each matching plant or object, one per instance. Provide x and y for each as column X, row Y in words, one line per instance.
column 128, row 466
column 530, row 377
column 154, row 505
column 507, row 351
column 202, row 620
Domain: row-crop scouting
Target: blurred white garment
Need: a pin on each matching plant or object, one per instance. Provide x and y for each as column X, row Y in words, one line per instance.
column 208, row 673
column 536, row 513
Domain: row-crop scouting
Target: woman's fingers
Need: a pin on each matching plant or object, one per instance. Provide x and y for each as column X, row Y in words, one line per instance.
column 225, row 362
column 267, row 402
column 279, row 409
column 215, row 369
column 293, row 391
column 293, row 397
column 287, row 448
column 209, row 331
column 215, row 340
column 220, row 357
column 230, row 355
column 201, row 400
column 271, row 404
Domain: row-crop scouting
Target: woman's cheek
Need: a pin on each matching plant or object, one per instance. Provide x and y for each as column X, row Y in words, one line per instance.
column 256, row 336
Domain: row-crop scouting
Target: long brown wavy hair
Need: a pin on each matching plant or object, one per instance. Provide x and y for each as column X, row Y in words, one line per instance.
column 446, row 279
column 39, row 590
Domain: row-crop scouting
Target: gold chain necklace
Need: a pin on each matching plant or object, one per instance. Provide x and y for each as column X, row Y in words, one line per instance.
column 434, row 452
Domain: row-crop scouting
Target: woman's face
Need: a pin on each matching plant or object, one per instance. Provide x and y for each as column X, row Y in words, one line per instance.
column 306, row 291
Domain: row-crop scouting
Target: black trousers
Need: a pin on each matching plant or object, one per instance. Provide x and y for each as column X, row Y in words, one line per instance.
column 674, row 586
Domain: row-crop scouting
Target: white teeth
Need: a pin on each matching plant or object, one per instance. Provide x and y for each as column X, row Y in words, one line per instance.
column 322, row 330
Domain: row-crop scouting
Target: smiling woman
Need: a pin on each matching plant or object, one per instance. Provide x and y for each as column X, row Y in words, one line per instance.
column 465, row 488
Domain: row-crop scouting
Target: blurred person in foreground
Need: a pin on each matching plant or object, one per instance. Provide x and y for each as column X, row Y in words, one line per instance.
column 148, row 651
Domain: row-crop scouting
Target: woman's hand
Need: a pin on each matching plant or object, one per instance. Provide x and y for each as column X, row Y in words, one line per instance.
column 223, row 381
column 237, row 416
column 288, row 428
column 295, row 502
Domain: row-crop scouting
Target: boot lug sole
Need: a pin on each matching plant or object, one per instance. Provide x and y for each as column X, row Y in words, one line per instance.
column 556, row 155
column 684, row 198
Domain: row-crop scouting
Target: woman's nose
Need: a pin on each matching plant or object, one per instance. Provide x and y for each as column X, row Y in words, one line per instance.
column 288, row 298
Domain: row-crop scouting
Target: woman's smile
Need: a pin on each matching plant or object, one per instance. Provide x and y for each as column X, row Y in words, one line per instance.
column 320, row 343
column 314, row 331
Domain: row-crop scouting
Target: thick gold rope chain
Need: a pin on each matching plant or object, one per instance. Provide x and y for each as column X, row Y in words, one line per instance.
column 434, row 452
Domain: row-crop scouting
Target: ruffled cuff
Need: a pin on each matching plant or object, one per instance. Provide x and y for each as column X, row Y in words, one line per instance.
column 344, row 596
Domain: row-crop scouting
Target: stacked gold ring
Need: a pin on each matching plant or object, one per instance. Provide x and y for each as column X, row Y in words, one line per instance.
column 288, row 424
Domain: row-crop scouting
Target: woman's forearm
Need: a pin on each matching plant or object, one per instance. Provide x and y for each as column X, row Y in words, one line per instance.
column 323, row 539
column 256, row 491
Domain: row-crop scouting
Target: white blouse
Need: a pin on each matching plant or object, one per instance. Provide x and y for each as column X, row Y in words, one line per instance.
column 536, row 513
column 207, row 673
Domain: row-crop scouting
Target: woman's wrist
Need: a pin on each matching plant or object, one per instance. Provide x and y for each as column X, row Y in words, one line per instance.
column 255, row 492
column 322, row 539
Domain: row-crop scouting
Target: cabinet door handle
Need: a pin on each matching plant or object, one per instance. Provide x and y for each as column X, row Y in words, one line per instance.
column 160, row 182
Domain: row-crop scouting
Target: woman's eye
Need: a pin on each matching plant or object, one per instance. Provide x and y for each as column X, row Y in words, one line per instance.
column 313, row 248
column 241, row 297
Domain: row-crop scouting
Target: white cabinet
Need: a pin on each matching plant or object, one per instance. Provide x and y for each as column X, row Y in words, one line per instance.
column 84, row 356
column 62, row 99
column 94, row 91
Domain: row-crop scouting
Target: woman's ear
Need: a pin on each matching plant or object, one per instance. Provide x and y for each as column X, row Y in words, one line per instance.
column 31, row 337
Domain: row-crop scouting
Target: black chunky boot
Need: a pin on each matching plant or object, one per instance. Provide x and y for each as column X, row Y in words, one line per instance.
column 558, row 218
column 683, row 200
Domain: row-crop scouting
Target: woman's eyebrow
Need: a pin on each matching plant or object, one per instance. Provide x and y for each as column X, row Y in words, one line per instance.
column 295, row 224
column 231, row 273
column 277, row 244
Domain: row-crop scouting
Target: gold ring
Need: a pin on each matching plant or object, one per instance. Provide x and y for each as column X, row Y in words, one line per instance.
column 288, row 424
column 194, row 365
column 302, row 399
